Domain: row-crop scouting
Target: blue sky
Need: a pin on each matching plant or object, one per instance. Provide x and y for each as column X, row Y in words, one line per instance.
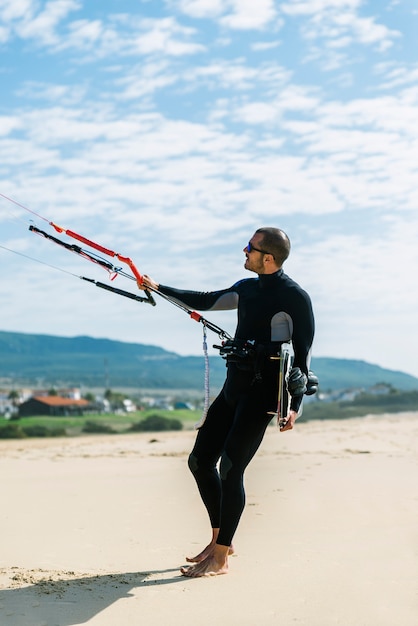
column 170, row 131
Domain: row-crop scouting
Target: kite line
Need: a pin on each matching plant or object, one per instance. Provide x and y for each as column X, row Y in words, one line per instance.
column 114, row 271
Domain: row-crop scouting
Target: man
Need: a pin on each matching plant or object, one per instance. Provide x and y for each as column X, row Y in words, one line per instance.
column 272, row 309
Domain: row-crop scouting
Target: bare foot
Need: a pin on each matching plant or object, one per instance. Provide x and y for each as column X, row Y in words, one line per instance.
column 206, row 553
column 214, row 564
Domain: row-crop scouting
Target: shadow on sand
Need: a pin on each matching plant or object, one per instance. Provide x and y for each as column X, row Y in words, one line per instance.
column 54, row 600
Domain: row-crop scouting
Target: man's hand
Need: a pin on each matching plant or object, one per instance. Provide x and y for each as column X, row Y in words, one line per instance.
column 147, row 283
column 288, row 422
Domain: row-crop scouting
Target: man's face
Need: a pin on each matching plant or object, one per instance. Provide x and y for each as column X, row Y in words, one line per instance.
column 254, row 259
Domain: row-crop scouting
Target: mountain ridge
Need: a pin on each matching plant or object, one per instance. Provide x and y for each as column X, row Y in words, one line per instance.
column 51, row 360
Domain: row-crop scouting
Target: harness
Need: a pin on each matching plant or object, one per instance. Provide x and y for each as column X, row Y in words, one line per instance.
column 249, row 355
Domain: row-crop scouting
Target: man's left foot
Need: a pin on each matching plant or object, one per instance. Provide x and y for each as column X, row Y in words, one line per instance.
column 214, row 564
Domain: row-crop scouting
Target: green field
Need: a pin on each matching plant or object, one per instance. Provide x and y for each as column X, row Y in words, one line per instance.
column 75, row 425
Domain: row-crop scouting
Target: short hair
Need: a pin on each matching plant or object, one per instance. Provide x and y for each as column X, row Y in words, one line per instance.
column 276, row 242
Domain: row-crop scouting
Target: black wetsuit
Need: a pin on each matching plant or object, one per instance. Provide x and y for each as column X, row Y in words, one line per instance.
column 272, row 309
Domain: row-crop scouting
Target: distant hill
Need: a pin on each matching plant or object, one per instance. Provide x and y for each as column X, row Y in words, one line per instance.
column 346, row 373
column 51, row 361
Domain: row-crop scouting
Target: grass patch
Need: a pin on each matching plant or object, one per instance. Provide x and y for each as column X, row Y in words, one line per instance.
column 12, row 431
column 37, row 430
column 96, row 423
column 98, row 428
column 156, row 423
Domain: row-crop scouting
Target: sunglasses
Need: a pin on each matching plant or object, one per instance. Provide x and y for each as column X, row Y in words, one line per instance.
column 250, row 248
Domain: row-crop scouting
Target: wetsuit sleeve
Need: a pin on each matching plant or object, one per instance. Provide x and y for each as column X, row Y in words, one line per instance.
column 302, row 338
column 222, row 300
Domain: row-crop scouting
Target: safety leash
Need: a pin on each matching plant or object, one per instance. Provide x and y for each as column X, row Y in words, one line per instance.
column 206, row 381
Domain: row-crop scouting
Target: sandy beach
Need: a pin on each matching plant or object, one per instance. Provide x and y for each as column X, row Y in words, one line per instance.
column 94, row 530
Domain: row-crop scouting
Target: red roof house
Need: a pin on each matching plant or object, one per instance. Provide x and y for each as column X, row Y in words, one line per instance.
column 53, row 405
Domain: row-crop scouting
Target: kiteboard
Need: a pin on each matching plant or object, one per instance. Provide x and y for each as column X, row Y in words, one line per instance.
column 285, row 358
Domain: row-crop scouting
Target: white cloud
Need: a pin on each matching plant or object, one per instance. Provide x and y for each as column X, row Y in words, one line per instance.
column 67, row 95
column 365, row 31
column 292, row 99
column 121, row 34
column 151, row 76
column 233, row 14
column 165, row 35
column 338, row 23
column 85, row 32
column 265, row 45
column 236, row 75
column 145, row 79
column 11, row 10
column 43, row 26
column 310, row 7
column 394, row 75
column 9, row 124
column 258, row 113
column 249, row 15
column 200, row 8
